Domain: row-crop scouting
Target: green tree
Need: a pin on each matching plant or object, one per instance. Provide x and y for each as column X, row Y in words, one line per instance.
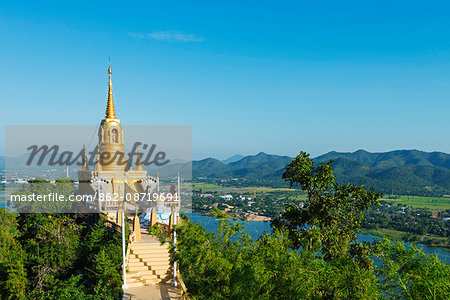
column 408, row 273
column 219, row 214
column 43, row 187
column 228, row 264
column 332, row 216
column 13, row 279
column 52, row 243
column 57, row 255
column 103, row 261
column 70, row 289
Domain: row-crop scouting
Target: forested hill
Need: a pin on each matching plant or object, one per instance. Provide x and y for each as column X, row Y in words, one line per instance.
column 398, row 158
column 400, row 172
column 261, row 168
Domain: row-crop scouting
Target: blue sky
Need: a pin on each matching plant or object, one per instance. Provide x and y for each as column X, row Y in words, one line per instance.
column 249, row 76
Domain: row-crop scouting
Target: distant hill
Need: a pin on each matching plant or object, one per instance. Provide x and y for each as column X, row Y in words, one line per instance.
column 209, row 167
column 260, row 168
column 232, row 159
column 252, row 166
column 391, row 159
column 399, row 172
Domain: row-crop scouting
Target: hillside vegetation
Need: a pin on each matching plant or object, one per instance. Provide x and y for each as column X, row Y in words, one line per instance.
column 408, row 172
column 313, row 252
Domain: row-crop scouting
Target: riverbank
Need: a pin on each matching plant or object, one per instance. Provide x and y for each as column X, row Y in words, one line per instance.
column 244, row 217
column 397, row 235
column 392, row 234
column 255, row 229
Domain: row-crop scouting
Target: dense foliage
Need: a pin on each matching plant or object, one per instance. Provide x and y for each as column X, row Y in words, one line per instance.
column 332, row 217
column 54, row 256
column 41, row 186
column 312, row 253
column 58, row 256
column 228, row 264
column 419, row 221
column 413, row 224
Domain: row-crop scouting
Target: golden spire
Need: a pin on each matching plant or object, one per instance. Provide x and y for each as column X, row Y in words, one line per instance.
column 110, row 113
column 85, row 165
column 138, row 162
column 98, row 165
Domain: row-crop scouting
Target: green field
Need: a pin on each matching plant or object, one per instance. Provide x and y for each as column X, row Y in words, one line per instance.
column 385, row 232
column 205, row 186
column 396, row 235
column 433, row 203
column 212, row 187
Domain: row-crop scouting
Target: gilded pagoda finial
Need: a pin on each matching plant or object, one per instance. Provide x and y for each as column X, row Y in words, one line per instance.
column 110, row 113
column 138, row 166
column 98, row 165
column 85, row 164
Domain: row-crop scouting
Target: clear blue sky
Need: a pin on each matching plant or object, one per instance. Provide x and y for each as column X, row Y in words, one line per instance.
column 249, row 76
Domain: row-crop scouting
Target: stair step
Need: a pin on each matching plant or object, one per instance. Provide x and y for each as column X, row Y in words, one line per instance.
column 138, row 268
column 150, row 277
column 152, row 281
column 143, row 243
column 156, row 263
column 142, row 255
column 154, row 260
column 161, row 250
column 134, row 259
column 148, row 263
column 150, row 251
column 138, row 264
column 154, row 257
column 160, row 271
column 146, row 274
column 135, row 284
column 159, row 264
column 161, row 274
column 153, row 264
column 148, row 246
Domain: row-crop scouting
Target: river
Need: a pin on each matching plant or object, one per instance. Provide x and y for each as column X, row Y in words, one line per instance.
column 255, row 229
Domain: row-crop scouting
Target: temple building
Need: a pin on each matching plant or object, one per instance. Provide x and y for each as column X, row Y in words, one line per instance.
column 113, row 177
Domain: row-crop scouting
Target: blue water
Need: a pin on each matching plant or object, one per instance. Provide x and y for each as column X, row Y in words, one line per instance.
column 255, row 229
column 3, row 196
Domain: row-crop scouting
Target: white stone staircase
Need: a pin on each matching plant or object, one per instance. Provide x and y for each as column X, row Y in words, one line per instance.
column 148, row 262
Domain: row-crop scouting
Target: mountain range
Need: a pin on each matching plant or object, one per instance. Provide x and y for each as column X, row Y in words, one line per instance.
column 232, row 159
column 400, row 172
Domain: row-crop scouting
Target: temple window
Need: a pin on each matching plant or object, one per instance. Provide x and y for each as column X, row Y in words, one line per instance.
column 115, row 136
